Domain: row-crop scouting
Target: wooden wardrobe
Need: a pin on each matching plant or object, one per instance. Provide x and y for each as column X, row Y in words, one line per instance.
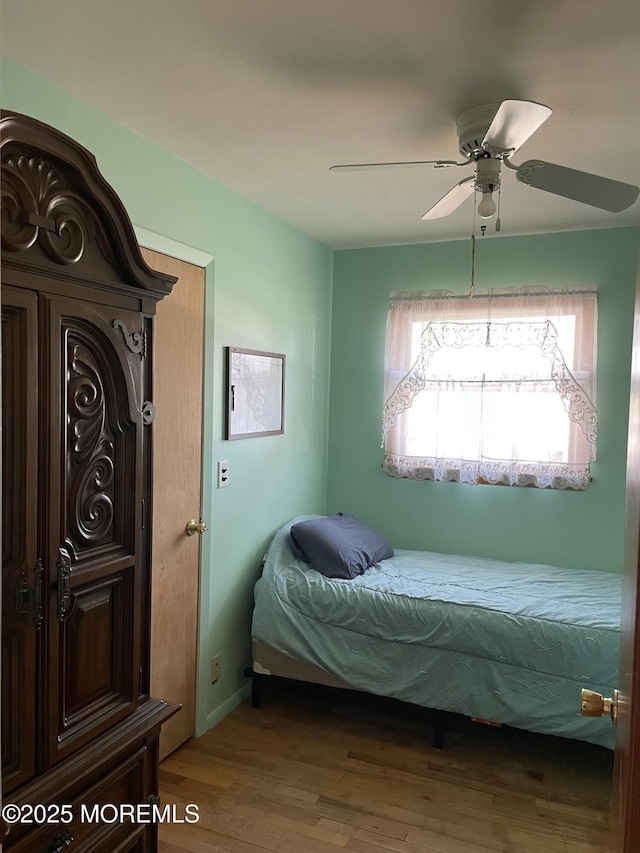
column 78, row 724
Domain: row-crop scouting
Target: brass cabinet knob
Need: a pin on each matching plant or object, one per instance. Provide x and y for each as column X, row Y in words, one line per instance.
column 596, row 705
column 194, row 526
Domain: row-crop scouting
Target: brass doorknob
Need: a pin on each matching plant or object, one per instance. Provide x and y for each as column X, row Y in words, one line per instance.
column 596, row 705
column 194, row 526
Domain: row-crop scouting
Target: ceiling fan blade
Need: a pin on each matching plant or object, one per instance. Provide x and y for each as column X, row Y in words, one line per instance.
column 595, row 190
column 453, row 199
column 358, row 167
column 513, row 124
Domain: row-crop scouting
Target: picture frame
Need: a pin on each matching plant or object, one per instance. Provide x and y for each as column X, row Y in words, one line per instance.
column 254, row 394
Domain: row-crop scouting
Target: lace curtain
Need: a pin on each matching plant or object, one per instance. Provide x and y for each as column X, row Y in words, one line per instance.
column 496, row 389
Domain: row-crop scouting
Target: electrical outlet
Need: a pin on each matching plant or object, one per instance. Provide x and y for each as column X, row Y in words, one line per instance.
column 223, row 474
column 215, row 668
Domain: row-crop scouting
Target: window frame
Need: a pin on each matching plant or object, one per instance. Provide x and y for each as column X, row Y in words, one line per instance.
column 493, row 306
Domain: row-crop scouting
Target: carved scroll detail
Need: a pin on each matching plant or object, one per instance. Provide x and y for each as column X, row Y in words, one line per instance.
column 136, row 341
column 95, row 508
column 91, row 450
column 39, row 206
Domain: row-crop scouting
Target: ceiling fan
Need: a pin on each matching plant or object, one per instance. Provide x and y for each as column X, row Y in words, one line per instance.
column 488, row 136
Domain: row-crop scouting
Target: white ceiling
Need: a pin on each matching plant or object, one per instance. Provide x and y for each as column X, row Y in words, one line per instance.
column 265, row 95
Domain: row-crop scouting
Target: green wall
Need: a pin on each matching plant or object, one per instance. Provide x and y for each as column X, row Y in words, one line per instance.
column 268, row 287
column 573, row 529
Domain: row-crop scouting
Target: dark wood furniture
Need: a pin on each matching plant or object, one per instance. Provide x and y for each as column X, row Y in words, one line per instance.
column 78, row 724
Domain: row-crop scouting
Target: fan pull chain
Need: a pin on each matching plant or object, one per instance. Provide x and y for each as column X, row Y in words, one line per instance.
column 472, row 287
column 498, row 226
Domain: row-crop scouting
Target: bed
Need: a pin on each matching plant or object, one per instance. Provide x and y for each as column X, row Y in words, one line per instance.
column 507, row 643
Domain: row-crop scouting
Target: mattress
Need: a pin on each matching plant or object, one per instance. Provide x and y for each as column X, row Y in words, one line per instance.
column 510, row 642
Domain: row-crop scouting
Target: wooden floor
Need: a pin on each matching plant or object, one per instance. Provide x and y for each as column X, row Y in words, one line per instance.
column 328, row 771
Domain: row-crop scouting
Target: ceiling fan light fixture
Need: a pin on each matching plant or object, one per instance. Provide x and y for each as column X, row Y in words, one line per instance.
column 487, row 206
column 487, row 182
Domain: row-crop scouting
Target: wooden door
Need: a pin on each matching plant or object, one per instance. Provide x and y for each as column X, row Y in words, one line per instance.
column 177, row 470
column 626, row 776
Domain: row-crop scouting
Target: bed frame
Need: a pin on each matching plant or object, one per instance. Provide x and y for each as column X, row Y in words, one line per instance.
column 268, row 663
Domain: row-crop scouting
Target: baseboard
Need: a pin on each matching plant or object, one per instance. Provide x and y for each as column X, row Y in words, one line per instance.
column 221, row 711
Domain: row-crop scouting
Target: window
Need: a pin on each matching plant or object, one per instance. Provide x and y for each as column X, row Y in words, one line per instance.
column 496, row 389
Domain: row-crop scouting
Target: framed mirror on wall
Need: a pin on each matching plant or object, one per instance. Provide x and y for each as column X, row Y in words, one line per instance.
column 255, row 393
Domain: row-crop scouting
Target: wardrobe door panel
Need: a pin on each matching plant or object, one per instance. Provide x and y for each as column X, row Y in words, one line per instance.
column 21, row 565
column 96, row 499
column 97, row 678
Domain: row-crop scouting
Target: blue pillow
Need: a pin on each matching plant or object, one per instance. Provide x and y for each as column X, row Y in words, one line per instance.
column 338, row 546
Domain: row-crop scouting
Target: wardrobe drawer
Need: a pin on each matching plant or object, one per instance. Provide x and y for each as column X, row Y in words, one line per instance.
column 96, row 826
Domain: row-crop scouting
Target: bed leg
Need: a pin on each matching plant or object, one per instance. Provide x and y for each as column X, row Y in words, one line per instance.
column 256, row 684
column 437, row 737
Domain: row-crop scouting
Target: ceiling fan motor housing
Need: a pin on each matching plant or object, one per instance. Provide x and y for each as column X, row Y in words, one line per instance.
column 472, row 126
column 487, row 175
